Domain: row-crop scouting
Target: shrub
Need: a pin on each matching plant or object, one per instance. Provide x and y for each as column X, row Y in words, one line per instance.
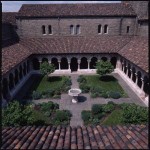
column 47, row 106
column 108, row 107
column 56, row 106
column 94, row 95
column 104, row 67
column 36, row 95
column 96, row 90
column 81, row 79
column 86, row 115
column 47, row 113
column 85, row 88
column 66, row 81
column 104, row 94
column 96, row 109
column 49, row 93
column 57, row 96
column 114, row 94
column 61, row 116
column 134, row 114
column 17, row 115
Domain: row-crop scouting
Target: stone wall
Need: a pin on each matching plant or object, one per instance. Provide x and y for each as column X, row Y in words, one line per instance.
column 88, row 26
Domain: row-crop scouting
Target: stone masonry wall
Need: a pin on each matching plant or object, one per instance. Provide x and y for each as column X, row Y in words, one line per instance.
column 88, row 26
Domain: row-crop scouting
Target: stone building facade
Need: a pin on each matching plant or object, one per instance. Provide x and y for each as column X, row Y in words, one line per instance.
column 74, row 37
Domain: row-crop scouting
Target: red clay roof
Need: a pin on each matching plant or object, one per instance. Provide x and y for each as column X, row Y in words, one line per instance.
column 9, row 17
column 90, row 137
column 13, row 55
column 137, row 52
column 58, row 10
column 76, row 44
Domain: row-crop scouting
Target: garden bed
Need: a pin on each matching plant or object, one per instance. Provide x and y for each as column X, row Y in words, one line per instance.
column 40, row 114
column 106, row 86
column 51, row 87
column 114, row 114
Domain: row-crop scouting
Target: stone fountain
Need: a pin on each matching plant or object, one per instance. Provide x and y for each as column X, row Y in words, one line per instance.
column 74, row 93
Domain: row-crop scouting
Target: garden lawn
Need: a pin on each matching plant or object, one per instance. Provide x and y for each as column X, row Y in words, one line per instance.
column 109, row 83
column 114, row 118
column 51, row 83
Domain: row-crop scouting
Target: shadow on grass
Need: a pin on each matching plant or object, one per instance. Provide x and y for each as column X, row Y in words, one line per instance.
column 82, row 99
column 108, row 78
column 53, row 79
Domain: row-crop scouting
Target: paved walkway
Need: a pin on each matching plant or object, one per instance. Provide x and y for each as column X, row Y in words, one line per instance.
column 85, row 101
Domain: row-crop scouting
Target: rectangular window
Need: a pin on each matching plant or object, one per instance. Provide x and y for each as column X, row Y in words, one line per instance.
column 128, row 29
column 78, row 29
column 43, row 30
column 99, row 29
column 71, row 29
column 50, row 29
column 105, row 29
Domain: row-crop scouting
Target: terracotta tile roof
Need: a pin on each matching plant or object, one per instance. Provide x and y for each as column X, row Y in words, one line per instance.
column 137, row 52
column 90, row 137
column 58, row 10
column 70, row 44
column 9, row 17
column 57, row 45
column 12, row 55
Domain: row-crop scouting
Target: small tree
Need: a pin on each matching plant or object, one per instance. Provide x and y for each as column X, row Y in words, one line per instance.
column 46, row 68
column 104, row 67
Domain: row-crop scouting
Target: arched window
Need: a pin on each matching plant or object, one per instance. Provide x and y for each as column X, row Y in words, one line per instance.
column 50, row 29
column 43, row 30
column 99, row 28
column 105, row 29
column 128, row 29
column 71, row 29
column 78, row 29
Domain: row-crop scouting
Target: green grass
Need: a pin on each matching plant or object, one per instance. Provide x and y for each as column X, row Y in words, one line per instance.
column 109, row 83
column 51, row 83
column 113, row 118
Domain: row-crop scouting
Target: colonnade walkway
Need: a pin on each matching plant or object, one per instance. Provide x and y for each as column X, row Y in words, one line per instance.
column 86, row 102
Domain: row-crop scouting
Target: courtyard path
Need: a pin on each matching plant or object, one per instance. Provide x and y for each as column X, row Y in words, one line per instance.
column 86, row 102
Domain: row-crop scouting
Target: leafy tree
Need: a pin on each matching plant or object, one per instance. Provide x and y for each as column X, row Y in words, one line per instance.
column 104, row 67
column 17, row 115
column 46, row 68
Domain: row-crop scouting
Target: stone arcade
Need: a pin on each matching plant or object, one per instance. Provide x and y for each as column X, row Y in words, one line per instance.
column 74, row 37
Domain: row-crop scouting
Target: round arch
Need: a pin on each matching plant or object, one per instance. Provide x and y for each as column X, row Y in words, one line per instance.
column 36, row 64
column 5, row 88
column 74, row 64
column 93, row 62
column 16, row 76
column 24, row 68
column 20, row 72
column 44, row 60
column 84, row 63
column 129, row 71
column 133, row 75
column 54, row 61
column 139, row 83
column 64, row 63
column 113, row 61
column 104, row 58
column 125, row 68
column 146, row 85
column 11, row 81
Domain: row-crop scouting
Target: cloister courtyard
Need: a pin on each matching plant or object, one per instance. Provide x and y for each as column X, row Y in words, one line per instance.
column 85, row 101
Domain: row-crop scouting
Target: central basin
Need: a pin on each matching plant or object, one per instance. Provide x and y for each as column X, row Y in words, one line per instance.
column 74, row 93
